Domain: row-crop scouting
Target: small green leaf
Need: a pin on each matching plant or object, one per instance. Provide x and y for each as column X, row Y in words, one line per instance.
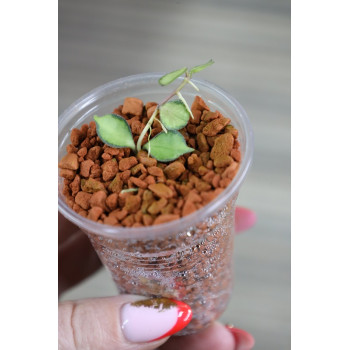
column 185, row 103
column 174, row 115
column 167, row 147
column 197, row 69
column 114, row 131
column 170, row 77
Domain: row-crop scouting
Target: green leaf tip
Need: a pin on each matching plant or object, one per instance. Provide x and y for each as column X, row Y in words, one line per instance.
column 166, row 147
column 197, row 69
column 174, row 115
column 170, row 77
column 114, row 131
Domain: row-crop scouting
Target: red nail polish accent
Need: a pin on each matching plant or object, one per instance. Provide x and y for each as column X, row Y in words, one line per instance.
column 243, row 339
column 184, row 316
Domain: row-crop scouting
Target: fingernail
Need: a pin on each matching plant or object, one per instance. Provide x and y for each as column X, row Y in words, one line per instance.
column 243, row 339
column 245, row 219
column 154, row 319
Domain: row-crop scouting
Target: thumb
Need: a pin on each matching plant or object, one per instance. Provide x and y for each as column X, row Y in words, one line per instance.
column 124, row 322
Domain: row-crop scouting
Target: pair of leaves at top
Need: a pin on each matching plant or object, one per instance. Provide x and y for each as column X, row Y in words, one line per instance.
column 168, row 145
column 170, row 77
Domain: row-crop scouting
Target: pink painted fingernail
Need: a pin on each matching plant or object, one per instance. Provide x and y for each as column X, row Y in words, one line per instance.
column 245, row 219
column 243, row 339
column 154, row 319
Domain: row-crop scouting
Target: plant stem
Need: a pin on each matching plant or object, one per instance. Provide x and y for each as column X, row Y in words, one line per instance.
column 150, row 121
column 185, row 103
column 193, row 85
column 145, row 129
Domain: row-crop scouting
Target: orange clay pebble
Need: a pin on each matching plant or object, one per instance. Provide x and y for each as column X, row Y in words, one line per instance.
column 98, row 199
column 230, row 171
column 112, row 151
column 215, row 126
column 223, row 161
column 188, row 208
column 196, row 116
column 112, row 201
column 202, row 170
column 127, row 163
column 91, row 185
column 222, row 146
column 138, row 168
column 132, row 203
column 94, row 153
column 147, row 219
column 161, row 190
column 83, row 199
column 202, row 186
column 109, row 169
column 208, row 197
column 121, row 214
column 208, row 116
column 143, row 158
column 138, row 216
column 174, row 170
column 225, row 182
column 168, row 209
column 129, row 220
column 110, row 220
column 193, row 197
column 157, row 206
column 216, row 180
column 106, row 156
column 202, row 143
column 125, row 175
column 95, row 171
column 194, row 162
column 155, row 171
column 95, row 213
column 161, row 219
column 75, row 185
column 82, row 152
column 116, row 185
column 150, row 111
column 138, row 182
column 132, row 105
column 69, row 161
column 136, row 127
column 85, row 167
column 67, row 174
column 71, row 149
column 150, row 180
column 236, row 155
column 199, row 104
column 76, row 137
column 77, row 208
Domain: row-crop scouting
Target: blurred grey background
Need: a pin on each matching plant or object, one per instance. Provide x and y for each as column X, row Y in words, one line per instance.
column 249, row 40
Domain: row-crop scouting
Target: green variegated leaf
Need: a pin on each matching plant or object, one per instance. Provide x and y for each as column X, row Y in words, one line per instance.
column 166, row 147
column 174, row 115
column 170, row 77
column 197, row 69
column 114, row 131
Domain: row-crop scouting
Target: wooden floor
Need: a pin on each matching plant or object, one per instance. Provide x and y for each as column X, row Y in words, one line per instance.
column 249, row 40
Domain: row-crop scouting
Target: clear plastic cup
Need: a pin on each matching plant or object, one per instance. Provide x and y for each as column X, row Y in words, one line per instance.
column 189, row 259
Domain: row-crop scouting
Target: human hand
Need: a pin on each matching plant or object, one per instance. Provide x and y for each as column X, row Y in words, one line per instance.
column 95, row 323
